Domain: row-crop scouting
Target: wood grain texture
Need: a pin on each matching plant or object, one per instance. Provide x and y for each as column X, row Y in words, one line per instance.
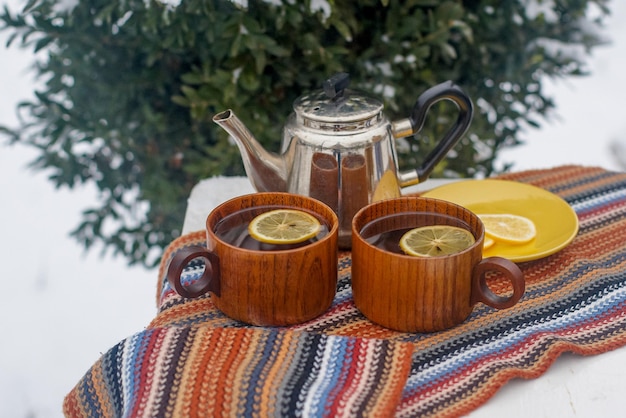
column 423, row 294
column 266, row 288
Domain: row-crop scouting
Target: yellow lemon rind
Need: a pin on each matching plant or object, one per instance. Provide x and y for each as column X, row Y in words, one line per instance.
column 307, row 219
column 442, row 248
column 515, row 236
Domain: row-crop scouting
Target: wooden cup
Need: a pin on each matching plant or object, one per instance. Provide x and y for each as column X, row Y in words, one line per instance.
column 266, row 288
column 424, row 294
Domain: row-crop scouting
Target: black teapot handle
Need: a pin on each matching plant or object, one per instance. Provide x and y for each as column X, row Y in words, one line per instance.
column 444, row 91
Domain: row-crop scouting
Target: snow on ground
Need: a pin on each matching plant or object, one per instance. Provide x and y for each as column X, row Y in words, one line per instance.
column 62, row 308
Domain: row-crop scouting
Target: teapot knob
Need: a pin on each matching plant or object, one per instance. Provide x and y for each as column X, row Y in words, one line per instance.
column 336, row 84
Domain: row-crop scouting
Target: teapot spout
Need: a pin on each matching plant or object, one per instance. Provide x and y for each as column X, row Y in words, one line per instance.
column 267, row 171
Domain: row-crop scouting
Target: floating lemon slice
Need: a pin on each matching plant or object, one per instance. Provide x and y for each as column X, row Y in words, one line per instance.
column 284, row 226
column 509, row 228
column 435, row 240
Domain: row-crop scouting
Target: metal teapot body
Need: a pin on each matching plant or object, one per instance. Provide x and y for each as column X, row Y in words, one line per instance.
column 339, row 147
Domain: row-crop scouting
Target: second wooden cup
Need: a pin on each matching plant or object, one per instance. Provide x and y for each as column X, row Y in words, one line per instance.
column 422, row 294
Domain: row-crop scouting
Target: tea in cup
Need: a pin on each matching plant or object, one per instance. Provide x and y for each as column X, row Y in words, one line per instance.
column 266, row 283
column 410, row 292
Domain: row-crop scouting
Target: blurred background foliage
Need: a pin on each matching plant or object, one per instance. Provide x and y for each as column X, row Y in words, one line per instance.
column 127, row 88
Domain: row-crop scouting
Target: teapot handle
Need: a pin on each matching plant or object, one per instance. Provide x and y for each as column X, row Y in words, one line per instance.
column 406, row 127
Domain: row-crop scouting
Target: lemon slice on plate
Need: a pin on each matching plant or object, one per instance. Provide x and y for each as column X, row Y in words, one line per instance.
column 284, row 226
column 435, row 240
column 488, row 242
column 509, row 228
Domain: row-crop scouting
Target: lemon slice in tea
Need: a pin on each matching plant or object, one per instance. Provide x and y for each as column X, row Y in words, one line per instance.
column 284, row 226
column 435, row 240
column 509, row 228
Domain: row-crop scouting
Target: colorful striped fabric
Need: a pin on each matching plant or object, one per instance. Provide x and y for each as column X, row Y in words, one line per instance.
column 575, row 301
column 208, row 372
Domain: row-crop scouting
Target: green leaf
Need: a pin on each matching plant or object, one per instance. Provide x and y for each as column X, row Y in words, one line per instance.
column 190, row 93
column 249, row 79
column 42, row 43
column 448, row 50
column 464, row 28
column 29, row 6
column 10, row 39
column 235, row 46
column 181, row 100
column 192, row 78
column 251, row 24
column 260, row 60
column 279, row 51
column 343, row 29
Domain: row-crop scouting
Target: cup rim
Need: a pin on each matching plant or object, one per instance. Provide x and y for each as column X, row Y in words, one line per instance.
column 356, row 232
column 333, row 225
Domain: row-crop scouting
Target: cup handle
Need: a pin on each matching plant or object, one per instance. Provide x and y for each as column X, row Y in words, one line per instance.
column 482, row 293
column 210, row 279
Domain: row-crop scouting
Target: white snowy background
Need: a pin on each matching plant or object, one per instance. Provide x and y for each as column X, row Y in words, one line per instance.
column 61, row 308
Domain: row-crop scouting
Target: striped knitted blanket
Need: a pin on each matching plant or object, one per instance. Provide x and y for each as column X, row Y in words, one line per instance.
column 194, row 361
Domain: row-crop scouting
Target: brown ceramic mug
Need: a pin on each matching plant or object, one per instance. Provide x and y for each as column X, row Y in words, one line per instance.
column 263, row 284
column 422, row 294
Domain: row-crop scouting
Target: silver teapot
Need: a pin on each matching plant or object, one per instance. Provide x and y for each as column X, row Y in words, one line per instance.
column 339, row 147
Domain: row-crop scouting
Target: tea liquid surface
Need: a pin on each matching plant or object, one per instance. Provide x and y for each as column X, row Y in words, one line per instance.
column 385, row 232
column 233, row 229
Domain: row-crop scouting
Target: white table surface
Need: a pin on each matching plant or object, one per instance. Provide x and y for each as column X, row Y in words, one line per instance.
column 574, row 386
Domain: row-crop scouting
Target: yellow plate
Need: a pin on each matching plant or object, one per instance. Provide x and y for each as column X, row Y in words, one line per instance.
column 555, row 220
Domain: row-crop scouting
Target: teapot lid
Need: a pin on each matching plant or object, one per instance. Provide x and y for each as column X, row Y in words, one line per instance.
column 337, row 105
